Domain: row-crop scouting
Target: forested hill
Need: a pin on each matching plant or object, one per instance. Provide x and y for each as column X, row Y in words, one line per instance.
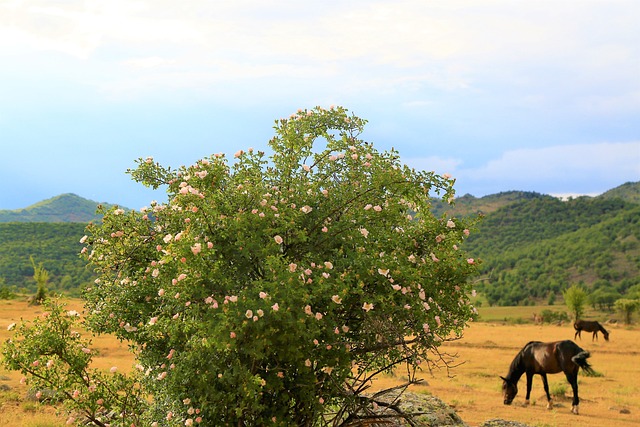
column 532, row 246
column 63, row 208
column 535, row 246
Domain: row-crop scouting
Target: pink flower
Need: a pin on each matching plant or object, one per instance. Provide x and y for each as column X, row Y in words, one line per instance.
column 377, row 208
column 328, row 265
column 262, row 295
column 196, row 248
column 86, row 350
column 325, row 229
column 470, row 261
column 364, row 232
column 367, row 306
column 307, row 310
column 232, row 335
column 161, row 292
column 368, row 206
column 278, row 239
column 336, row 299
column 451, row 224
column 466, row 231
column 306, row 209
column 113, row 369
column 383, row 271
column 318, row 316
column 153, row 320
column 437, row 318
column 275, row 307
column 293, row 267
column 248, row 314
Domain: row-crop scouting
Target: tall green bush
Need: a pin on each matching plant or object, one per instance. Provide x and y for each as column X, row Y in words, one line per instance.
column 271, row 290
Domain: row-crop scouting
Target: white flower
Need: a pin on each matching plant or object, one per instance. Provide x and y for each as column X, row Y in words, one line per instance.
column 11, row 327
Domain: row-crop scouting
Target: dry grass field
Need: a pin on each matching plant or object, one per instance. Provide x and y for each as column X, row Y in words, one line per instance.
column 486, row 350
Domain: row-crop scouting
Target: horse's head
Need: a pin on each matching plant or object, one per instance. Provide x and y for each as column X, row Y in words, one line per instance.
column 509, row 390
column 606, row 335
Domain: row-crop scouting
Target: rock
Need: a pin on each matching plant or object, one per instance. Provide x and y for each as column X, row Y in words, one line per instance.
column 431, row 411
column 496, row 422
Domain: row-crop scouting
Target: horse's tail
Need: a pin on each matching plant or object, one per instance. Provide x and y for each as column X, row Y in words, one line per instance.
column 580, row 359
column 577, row 325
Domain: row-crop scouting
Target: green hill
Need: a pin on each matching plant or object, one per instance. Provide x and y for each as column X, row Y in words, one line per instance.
column 63, row 208
column 55, row 245
column 533, row 249
column 532, row 246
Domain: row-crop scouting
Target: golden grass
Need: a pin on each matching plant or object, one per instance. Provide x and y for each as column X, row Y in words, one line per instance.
column 486, row 352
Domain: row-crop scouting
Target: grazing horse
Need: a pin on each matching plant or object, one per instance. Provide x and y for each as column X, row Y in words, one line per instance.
column 590, row 326
column 546, row 358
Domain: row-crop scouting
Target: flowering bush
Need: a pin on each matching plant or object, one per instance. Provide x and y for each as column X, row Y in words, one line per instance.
column 271, row 290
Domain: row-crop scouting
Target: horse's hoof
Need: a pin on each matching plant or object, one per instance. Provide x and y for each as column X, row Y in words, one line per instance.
column 526, row 403
column 574, row 409
column 549, row 405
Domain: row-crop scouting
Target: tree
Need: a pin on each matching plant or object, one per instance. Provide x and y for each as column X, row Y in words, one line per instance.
column 627, row 307
column 575, row 297
column 41, row 276
column 270, row 291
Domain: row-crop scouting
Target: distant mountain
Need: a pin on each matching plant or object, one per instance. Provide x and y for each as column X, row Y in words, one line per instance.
column 63, row 208
column 629, row 192
column 534, row 248
column 469, row 205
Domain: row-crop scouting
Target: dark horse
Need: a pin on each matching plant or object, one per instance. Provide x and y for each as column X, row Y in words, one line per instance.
column 590, row 326
column 546, row 358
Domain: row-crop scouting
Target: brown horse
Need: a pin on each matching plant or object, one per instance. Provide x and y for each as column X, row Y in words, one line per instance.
column 590, row 326
column 546, row 358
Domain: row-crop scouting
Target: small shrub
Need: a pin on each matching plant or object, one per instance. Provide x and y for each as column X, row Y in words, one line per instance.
column 558, row 390
column 549, row 316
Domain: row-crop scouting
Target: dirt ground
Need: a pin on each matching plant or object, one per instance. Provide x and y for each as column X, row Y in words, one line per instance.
column 486, row 351
column 473, row 388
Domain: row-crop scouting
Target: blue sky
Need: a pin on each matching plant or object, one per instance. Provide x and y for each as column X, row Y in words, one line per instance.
column 503, row 95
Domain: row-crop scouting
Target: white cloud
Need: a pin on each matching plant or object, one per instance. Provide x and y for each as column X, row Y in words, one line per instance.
column 587, row 168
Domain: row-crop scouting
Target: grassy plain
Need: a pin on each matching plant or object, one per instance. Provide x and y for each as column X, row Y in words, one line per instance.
column 473, row 388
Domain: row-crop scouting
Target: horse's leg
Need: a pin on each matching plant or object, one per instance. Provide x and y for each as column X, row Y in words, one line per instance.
column 529, row 383
column 545, row 383
column 573, row 380
column 577, row 333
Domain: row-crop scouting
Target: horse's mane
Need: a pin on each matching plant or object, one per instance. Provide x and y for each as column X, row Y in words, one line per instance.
column 517, row 366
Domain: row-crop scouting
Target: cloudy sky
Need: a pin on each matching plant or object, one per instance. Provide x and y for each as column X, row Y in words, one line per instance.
column 503, row 95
